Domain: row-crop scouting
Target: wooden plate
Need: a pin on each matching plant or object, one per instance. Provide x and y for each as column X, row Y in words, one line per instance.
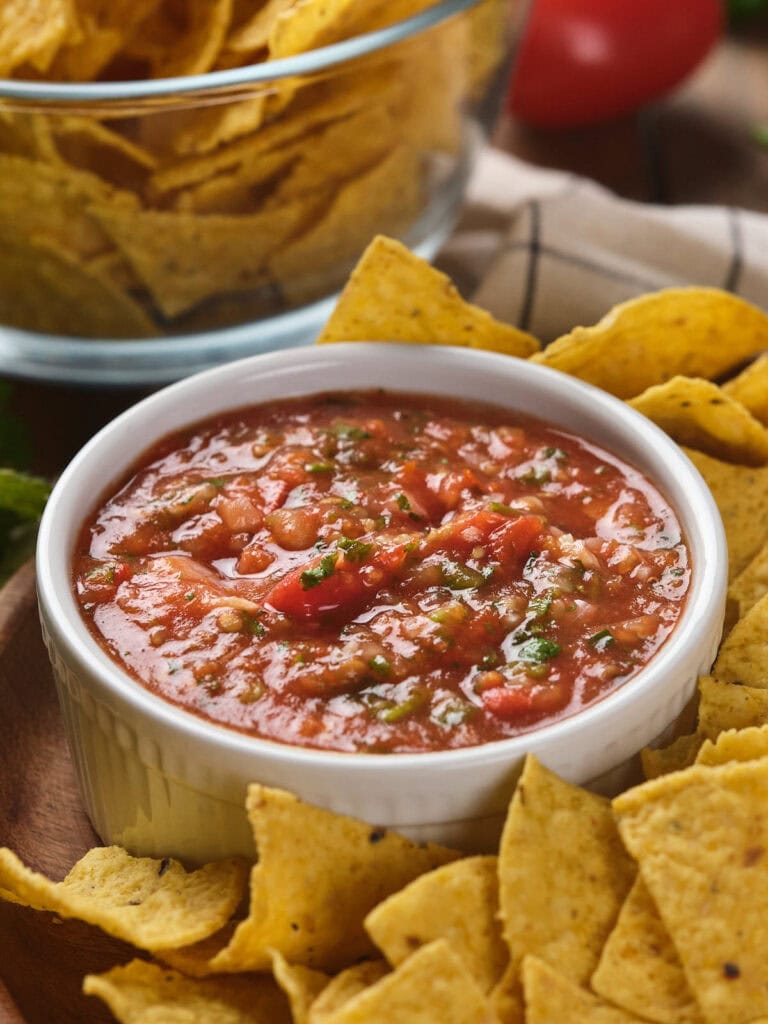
column 42, row 959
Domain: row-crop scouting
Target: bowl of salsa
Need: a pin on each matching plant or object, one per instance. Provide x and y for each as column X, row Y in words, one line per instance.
column 377, row 576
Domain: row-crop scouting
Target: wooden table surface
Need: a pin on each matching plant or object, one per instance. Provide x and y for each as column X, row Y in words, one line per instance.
column 696, row 146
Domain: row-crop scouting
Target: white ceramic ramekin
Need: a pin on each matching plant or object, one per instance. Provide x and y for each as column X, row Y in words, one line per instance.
column 159, row 780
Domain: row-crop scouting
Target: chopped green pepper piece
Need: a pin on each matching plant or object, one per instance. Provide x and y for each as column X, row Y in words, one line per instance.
column 320, row 467
column 461, row 577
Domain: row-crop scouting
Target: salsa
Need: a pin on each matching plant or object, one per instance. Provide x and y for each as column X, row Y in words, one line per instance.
column 381, row 572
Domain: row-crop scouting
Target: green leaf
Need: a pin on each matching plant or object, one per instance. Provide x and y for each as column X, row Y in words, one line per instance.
column 313, row 577
column 538, row 649
column 355, row 550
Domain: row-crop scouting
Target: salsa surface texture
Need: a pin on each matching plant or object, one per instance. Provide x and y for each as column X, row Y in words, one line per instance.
column 381, row 572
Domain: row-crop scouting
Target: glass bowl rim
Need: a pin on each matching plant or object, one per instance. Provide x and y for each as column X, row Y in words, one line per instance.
column 251, row 74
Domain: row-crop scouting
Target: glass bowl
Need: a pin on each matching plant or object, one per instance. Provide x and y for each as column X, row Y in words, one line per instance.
column 154, row 228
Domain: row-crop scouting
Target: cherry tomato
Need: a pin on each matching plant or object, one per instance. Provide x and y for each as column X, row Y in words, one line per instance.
column 585, row 61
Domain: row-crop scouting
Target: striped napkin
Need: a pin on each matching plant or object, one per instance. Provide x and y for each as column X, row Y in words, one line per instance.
column 548, row 251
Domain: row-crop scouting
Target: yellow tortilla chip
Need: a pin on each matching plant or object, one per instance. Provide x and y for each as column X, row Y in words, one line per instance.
column 254, row 33
column 31, row 31
column 701, row 839
column 751, row 584
column 153, row 904
column 393, row 295
column 387, row 195
column 639, row 968
column 750, row 388
column 743, row 657
column 28, row 135
column 143, row 993
column 310, row 906
column 239, row 191
column 698, row 332
column 45, row 289
column 433, row 985
column 195, row 960
column 458, row 902
column 102, row 29
column 681, row 753
column 193, row 33
column 726, row 706
column 184, row 259
column 346, row 986
column 301, row 985
column 735, row 745
column 207, row 128
column 89, row 145
column 741, row 495
column 563, row 877
column 697, row 413
column 552, row 998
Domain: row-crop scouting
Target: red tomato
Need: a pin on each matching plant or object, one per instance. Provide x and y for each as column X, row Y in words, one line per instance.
column 584, row 61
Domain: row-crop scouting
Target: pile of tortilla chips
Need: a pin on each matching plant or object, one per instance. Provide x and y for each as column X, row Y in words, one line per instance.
column 653, row 908
column 194, row 212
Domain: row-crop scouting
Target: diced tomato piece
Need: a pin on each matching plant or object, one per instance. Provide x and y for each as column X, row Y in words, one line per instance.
column 343, row 590
column 515, row 539
column 508, row 702
column 423, row 501
column 122, row 572
column 391, row 559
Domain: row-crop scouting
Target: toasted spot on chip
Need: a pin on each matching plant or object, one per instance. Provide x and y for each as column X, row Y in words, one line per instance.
column 388, row 194
column 697, row 332
column 694, row 834
column 552, row 998
column 750, row 388
column 743, row 657
column 741, row 495
column 697, row 413
column 345, row 986
column 143, row 993
column 153, row 904
column 679, row 754
column 301, row 985
column 32, row 31
column 393, row 295
column 433, row 985
column 751, row 584
column 310, row 906
column 639, row 968
column 736, row 745
column 458, row 902
column 563, row 876
column 183, row 258
column 726, row 706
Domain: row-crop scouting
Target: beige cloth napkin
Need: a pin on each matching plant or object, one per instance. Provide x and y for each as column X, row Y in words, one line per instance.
column 547, row 251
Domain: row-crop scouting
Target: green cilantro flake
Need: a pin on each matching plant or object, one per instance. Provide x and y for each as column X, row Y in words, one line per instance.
column 313, row 577
column 538, row 649
column 402, row 502
column 380, row 665
column 601, row 640
column 355, row 550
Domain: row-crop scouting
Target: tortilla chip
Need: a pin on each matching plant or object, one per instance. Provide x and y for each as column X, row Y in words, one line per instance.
column 240, row 191
column 701, row 839
column 458, row 902
column 431, row 986
column 750, row 388
column 31, row 31
column 751, row 584
column 386, row 196
column 346, row 986
column 743, row 657
column 45, row 289
column 143, row 993
column 184, row 259
column 192, row 35
column 50, row 202
column 89, row 145
column 735, row 745
column 698, row 332
column 697, row 413
column 254, row 33
column 153, row 904
column 552, row 998
column 393, row 295
column 28, row 135
column 563, row 877
column 311, row 24
column 301, row 985
column 681, row 753
column 195, row 960
column 310, row 906
column 103, row 27
column 209, row 127
column 726, row 706
column 741, row 495
column 639, row 968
